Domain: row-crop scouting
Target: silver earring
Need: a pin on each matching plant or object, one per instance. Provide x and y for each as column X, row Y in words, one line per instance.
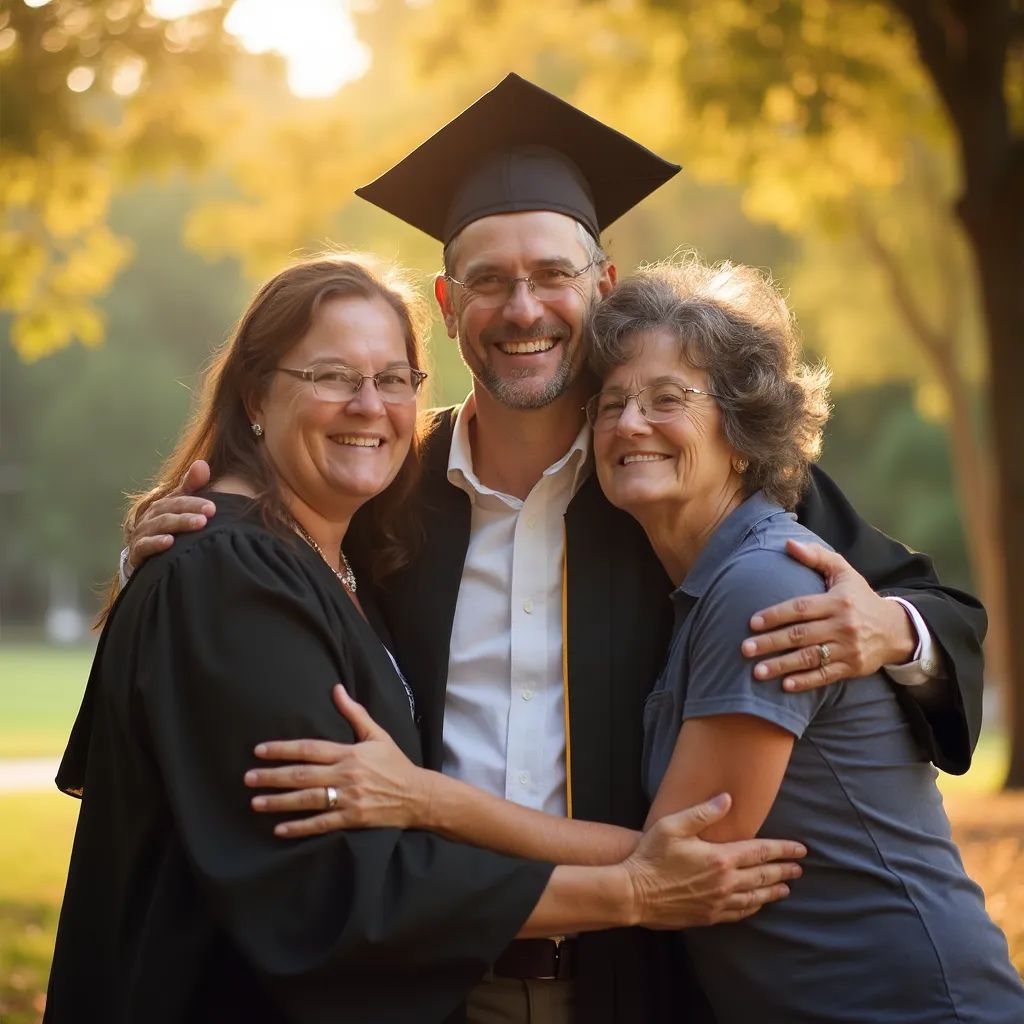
column 257, row 429
column 740, row 465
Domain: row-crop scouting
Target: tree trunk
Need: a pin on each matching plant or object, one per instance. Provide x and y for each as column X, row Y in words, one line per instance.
column 964, row 45
column 1000, row 254
column 973, row 469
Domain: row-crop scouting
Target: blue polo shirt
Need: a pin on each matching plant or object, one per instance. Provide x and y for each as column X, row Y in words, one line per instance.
column 884, row 925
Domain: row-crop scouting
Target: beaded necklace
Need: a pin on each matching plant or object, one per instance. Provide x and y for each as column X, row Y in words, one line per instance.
column 348, row 577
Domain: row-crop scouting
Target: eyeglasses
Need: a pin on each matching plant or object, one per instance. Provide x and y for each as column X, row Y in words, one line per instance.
column 546, row 284
column 657, row 403
column 335, row 382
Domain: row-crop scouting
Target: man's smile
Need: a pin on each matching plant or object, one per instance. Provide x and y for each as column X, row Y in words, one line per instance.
column 519, row 348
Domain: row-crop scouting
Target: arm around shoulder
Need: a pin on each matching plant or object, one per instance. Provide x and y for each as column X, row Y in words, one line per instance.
column 949, row 719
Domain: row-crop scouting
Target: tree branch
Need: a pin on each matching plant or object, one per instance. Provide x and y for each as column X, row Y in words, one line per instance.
column 936, row 345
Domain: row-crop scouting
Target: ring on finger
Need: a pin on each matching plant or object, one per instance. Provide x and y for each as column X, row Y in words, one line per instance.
column 825, row 655
column 332, row 796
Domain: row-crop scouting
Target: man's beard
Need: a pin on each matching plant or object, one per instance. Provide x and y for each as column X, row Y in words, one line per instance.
column 514, row 391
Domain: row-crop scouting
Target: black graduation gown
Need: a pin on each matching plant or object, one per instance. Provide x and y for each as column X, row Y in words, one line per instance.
column 181, row 905
column 618, row 622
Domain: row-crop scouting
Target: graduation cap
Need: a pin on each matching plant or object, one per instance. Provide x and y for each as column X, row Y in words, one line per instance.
column 518, row 148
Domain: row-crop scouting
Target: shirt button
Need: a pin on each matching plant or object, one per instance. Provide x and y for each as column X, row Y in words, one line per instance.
column 531, row 522
column 928, row 667
column 528, row 606
column 527, row 694
column 524, row 778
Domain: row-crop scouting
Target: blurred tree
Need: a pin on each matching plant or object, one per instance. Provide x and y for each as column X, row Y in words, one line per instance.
column 974, row 53
column 82, row 427
column 894, row 464
column 94, row 96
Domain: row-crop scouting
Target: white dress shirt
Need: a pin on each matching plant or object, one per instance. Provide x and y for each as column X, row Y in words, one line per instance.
column 927, row 663
column 504, row 715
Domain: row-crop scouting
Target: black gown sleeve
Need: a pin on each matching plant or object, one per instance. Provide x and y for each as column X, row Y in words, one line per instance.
column 949, row 723
column 240, row 641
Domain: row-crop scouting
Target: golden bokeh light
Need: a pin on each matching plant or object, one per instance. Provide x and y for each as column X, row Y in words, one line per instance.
column 81, row 78
column 316, row 38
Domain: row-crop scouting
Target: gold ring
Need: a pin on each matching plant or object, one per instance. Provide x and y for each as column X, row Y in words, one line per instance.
column 332, row 796
column 825, row 654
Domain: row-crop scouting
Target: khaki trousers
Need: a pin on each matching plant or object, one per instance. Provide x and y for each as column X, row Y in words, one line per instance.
column 511, row 1001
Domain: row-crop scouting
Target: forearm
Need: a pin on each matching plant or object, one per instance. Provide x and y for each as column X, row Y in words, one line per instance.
column 581, row 899
column 464, row 813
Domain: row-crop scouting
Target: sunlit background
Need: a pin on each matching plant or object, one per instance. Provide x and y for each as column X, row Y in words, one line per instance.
column 316, row 38
column 158, row 158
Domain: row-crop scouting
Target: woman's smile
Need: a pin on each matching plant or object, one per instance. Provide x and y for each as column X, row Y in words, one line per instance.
column 357, row 440
column 631, row 458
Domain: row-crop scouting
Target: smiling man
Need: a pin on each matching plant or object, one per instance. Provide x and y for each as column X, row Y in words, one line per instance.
column 534, row 621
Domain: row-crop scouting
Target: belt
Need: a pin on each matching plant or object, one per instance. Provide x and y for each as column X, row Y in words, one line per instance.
column 538, row 959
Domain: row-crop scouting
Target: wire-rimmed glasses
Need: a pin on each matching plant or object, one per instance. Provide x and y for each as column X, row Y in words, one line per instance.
column 657, row 403
column 336, row 382
column 546, row 284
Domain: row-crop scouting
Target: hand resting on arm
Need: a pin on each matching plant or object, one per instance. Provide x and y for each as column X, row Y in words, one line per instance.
column 377, row 786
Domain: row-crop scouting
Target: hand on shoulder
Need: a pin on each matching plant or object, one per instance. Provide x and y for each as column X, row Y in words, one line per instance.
column 818, row 639
column 178, row 512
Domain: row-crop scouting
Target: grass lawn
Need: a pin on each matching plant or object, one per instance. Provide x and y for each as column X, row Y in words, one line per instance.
column 41, row 688
column 35, row 844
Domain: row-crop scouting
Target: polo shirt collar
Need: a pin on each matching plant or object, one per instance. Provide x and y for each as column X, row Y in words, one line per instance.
column 723, row 542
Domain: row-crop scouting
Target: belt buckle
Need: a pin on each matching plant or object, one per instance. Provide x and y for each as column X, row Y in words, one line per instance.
column 557, row 940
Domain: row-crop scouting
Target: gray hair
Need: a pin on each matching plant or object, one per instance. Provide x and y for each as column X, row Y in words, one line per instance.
column 732, row 323
column 591, row 246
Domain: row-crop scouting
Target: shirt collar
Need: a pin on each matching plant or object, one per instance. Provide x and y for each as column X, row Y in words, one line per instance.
column 731, row 532
column 460, row 456
column 461, row 474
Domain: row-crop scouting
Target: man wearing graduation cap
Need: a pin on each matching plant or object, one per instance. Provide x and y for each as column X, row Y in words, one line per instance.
column 534, row 621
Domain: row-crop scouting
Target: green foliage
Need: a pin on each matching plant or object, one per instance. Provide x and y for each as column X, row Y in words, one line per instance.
column 94, row 94
column 92, row 425
column 894, row 467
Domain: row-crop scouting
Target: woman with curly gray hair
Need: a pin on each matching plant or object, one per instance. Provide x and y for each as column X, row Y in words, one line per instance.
column 704, row 431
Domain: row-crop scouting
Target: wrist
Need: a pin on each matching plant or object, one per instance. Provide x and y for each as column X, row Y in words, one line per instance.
column 429, row 807
column 902, row 634
column 125, row 566
column 630, row 896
